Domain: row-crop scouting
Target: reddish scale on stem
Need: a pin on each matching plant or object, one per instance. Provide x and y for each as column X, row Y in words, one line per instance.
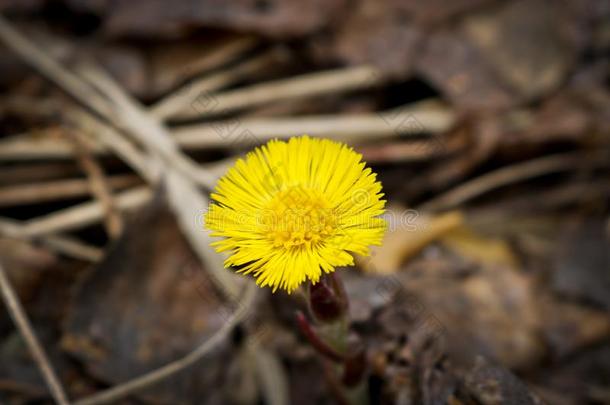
column 326, row 303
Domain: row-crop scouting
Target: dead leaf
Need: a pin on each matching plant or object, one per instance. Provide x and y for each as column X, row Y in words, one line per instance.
column 147, row 18
column 409, row 232
column 451, row 63
column 494, row 385
column 582, row 262
column 146, row 304
column 386, row 33
column 530, row 45
column 484, row 250
column 570, row 327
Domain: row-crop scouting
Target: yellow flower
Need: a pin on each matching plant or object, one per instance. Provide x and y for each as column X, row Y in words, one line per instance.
column 292, row 210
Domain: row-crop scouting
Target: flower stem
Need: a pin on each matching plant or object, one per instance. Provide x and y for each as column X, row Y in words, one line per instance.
column 328, row 305
column 314, row 339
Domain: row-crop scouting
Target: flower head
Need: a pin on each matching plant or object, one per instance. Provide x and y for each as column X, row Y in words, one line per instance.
column 291, row 211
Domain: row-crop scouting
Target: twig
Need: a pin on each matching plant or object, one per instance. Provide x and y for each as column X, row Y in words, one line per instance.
column 36, row 172
column 343, row 127
column 179, row 101
column 577, row 192
column 119, row 110
column 90, row 212
column 271, row 374
column 512, row 174
column 308, row 85
column 83, row 214
column 31, row 390
column 232, row 132
column 50, row 69
column 61, row 244
column 25, row 328
column 180, row 174
column 147, row 130
column 29, row 106
column 410, row 151
column 125, row 389
column 35, row 193
column 74, row 248
column 219, row 55
column 23, row 147
column 98, row 184
column 109, row 138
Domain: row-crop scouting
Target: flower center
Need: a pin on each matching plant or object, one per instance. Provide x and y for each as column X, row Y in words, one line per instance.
column 298, row 217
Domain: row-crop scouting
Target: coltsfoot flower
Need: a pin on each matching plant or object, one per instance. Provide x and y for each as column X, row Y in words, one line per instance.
column 292, row 211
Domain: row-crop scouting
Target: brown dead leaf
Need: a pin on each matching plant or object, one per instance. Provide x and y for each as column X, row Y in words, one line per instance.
column 25, row 263
column 372, row 32
column 570, row 327
column 42, row 281
column 438, row 11
column 492, row 312
column 429, row 324
column 582, row 261
column 530, row 45
column 386, row 33
column 453, row 65
column 174, row 63
column 154, row 18
column 146, row 304
column 491, row 384
column 581, row 379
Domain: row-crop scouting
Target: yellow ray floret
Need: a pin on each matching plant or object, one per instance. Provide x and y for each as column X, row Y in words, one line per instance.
column 291, row 211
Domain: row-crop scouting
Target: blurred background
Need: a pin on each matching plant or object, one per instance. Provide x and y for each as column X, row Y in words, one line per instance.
column 487, row 121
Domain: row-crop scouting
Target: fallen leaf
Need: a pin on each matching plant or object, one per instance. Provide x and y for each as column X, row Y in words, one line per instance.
column 582, row 261
column 146, row 18
column 484, row 250
column 530, row 45
column 148, row 303
column 409, row 232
